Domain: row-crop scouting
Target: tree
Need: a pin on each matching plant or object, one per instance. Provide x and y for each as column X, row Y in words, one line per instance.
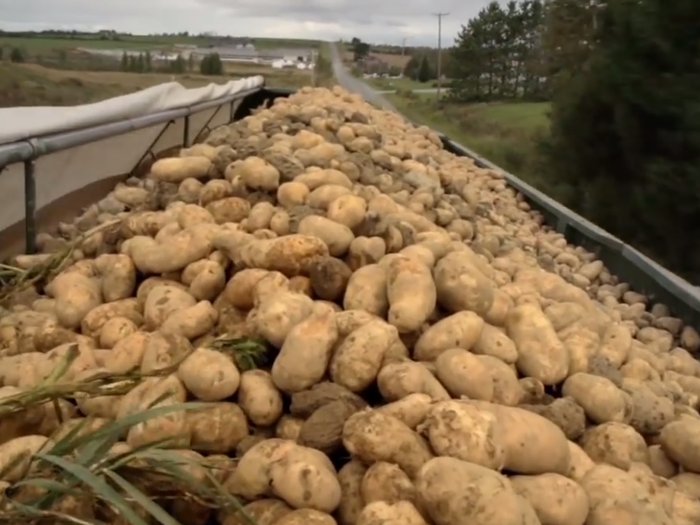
column 124, row 64
column 178, row 66
column 17, row 55
column 140, row 63
column 211, row 65
column 424, row 73
column 411, row 69
column 148, row 61
column 359, row 48
column 497, row 54
column 2, row 52
column 190, row 62
column 626, row 127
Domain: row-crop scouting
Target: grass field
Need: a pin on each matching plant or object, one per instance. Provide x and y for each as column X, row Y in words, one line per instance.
column 33, row 85
column 41, row 43
column 505, row 133
column 390, row 84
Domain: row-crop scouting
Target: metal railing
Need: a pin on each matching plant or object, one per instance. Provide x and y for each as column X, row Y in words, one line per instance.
column 118, row 148
column 48, row 168
column 643, row 274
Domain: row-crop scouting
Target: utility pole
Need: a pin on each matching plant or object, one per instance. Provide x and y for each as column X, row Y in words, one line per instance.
column 403, row 45
column 439, row 57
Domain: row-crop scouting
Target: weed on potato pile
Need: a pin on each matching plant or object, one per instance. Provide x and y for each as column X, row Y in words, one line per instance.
column 83, row 475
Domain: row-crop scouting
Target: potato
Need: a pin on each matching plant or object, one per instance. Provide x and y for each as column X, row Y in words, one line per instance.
column 306, row 517
column 399, row 379
column 209, row 375
column 358, row 358
column 114, row 330
column 306, row 351
column 463, row 431
column 411, row 293
column 16, row 455
column 533, row 444
column 127, row 354
column 540, row 352
column 290, row 255
column 454, row 492
column 333, row 289
column 570, row 507
column 616, row 444
column 367, row 290
column 177, row 169
column 218, row 428
column 390, row 513
column 76, row 295
column 163, row 351
column 386, row 482
column 191, row 244
column 461, row 330
column 580, row 462
column 464, row 374
column 239, row 289
column 305, row 482
column 495, row 343
column 373, row 436
column 279, row 313
column 600, row 398
column 410, row 410
column 615, row 495
column 259, row 398
column 462, row 286
column 678, row 440
column 350, row 477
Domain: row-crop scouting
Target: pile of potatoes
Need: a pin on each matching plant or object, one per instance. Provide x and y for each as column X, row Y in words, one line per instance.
column 439, row 355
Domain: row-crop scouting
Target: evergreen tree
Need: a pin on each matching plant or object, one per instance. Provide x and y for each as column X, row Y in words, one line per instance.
column 424, row 73
column 626, row 127
column 124, row 64
column 411, row 69
column 17, row 55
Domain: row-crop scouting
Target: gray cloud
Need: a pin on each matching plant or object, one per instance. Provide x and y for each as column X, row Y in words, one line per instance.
column 380, row 21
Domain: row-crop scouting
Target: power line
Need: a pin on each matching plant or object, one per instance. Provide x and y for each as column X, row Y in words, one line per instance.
column 439, row 57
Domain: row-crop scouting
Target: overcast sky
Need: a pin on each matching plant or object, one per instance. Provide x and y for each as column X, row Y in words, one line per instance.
column 377, row 21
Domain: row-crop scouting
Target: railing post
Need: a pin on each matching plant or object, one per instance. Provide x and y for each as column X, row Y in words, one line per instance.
column 29, row 207
column 186, row 133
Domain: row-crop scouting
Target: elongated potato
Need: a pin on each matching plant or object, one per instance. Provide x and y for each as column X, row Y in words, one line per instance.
column 540, row 352
column 533, row 444
column 411, row 293
column 460, row 330
column 306, row 351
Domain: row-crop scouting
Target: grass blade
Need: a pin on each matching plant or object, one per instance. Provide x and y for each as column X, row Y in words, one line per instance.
column 99, row 485
column 139, row 497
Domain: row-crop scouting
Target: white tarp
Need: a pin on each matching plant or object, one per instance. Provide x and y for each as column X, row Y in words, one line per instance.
column 31, row 122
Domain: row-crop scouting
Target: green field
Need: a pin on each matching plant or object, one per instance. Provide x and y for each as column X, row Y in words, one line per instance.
column 505, row 133
column 40, row 43
column 390, row 84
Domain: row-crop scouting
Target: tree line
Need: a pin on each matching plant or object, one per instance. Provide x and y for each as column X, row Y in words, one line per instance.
column 625, row 123
column 623, row 78
column 499, row 54
column 210, row 64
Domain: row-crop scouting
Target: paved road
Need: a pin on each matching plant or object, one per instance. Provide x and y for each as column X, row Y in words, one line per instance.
column 351, row 83
column 427, row 90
